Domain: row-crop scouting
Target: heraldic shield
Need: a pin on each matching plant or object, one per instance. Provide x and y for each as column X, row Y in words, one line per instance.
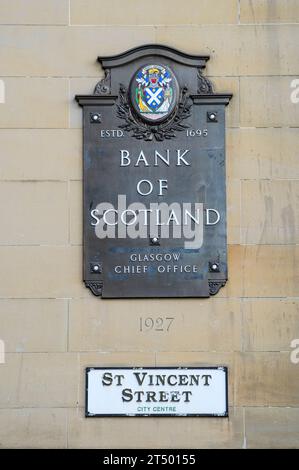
column 154, row 92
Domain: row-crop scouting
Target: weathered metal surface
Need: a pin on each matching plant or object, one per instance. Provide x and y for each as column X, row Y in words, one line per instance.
column 121, row 150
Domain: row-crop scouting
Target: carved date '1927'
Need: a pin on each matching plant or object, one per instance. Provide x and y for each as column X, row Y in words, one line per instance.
column 155, row 324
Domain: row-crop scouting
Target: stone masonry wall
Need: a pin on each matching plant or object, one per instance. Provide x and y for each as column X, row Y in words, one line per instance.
column 51, row 325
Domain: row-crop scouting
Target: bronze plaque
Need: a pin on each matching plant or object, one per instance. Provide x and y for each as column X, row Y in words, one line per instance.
column 154, row 177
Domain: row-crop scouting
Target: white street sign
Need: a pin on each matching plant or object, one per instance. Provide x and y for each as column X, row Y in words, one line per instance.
column 169, row 391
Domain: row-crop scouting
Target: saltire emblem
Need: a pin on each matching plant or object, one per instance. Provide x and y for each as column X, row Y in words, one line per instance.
column 154, row 92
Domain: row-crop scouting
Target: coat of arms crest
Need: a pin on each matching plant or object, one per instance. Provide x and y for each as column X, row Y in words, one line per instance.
column 154, row 92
